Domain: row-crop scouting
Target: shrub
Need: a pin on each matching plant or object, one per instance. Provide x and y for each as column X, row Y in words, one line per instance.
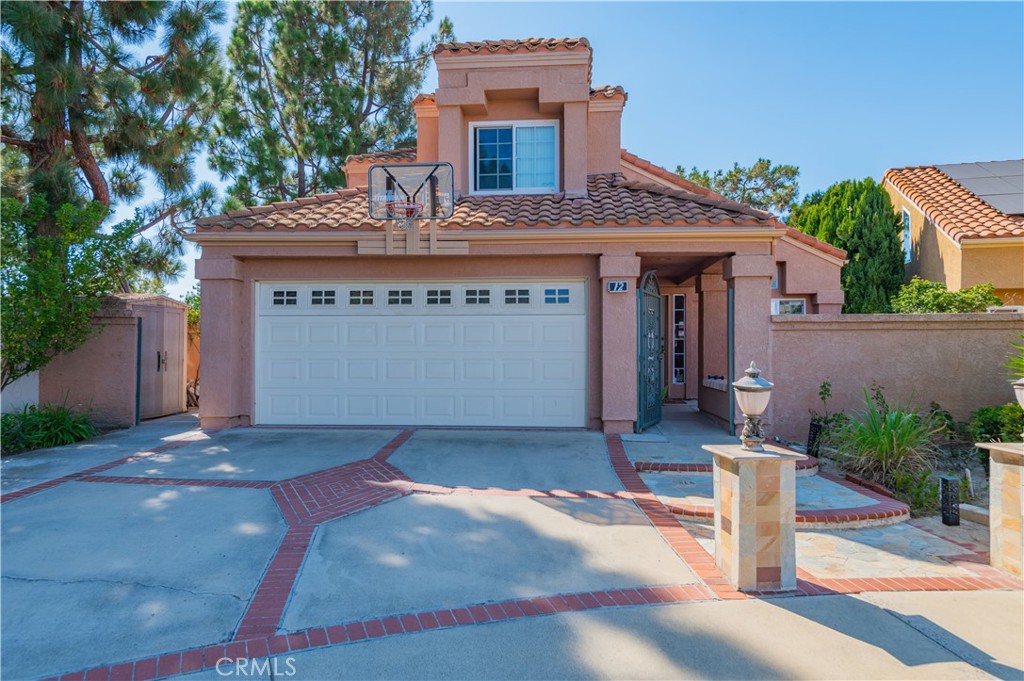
column 949, row 429
column 885, row 439
column 47, row 425
column 917, row 490
column 1003, row 423
column 921, row 296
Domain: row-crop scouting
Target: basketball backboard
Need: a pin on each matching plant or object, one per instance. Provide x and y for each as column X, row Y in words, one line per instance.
column 400, row 191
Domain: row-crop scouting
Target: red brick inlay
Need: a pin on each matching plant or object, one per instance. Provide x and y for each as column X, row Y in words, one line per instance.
column 340, row 491
column 682, row 542
column 180, row 482
column 679, row 467
column 885, row 507
column 421, row 488
column 267, row 606
column 262, row 645
column 27, row 491
column 387, row 450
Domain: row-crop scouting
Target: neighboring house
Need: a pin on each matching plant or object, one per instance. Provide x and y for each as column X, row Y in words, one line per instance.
column 524, row 311
column 963, row 224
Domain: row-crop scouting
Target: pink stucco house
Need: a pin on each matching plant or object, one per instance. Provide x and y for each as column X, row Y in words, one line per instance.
column 570, row 292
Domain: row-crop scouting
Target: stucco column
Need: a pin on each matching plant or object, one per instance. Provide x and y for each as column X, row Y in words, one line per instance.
column 618, row 343
column 450, row 144
column 574, row 159
column 1006, row 504
column 750, row 280
column 221, row 362
column 713, row 339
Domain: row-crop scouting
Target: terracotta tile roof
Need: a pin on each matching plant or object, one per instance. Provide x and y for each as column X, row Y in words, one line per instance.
column 822, row 246
column 611, row 201
column 608, row 91
column 424, row 97
column 389, row 156
column 955, row 209
column 667, row 175
column 687, row 185
column 523, row 45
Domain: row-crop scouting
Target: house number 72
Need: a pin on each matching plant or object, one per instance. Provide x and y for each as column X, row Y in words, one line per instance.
column 618, row 286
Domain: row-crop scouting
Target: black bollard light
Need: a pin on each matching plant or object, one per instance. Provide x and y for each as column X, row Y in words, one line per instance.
column 949, row 496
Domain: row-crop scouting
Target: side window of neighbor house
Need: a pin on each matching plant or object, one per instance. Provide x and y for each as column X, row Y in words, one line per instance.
column 907, row 245
column 516, row 157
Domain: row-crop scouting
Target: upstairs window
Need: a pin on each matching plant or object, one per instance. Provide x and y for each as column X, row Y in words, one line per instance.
column 908, row 253
column 517, row 157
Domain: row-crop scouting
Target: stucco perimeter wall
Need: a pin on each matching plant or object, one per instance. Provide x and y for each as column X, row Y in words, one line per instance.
column 99, row 376
column 954, row 360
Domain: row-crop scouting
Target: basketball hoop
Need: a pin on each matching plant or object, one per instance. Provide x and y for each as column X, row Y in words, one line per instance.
column 404, row 212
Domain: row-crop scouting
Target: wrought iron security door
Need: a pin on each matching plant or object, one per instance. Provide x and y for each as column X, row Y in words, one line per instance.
column 650, row 346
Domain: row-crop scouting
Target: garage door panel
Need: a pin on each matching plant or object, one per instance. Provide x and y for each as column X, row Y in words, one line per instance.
column 420, row 362
column 360, row 333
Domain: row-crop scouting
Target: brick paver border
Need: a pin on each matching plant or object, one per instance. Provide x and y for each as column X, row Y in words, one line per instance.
column 189, row 437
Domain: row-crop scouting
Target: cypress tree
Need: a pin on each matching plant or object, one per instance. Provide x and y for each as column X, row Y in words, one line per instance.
column 858, row 217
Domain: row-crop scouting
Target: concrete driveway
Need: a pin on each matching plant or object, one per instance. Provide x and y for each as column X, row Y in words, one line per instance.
column 165, row 551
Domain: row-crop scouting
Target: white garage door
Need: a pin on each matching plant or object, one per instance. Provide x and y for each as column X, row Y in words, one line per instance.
column 444, row 354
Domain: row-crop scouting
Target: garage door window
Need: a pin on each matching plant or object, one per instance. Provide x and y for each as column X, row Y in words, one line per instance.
column 478, row 296
column 556, row 296
column 360, row 297
column 400, row 297
column 286, row 297
column 517, row 296
column 439, row 296
column 322, row 297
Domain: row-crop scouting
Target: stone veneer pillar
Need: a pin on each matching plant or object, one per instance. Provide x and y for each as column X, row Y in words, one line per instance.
column 755, row 516
column 1006, row 513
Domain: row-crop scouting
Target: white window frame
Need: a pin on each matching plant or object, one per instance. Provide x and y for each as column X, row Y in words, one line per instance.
column 538, row 123
column 777, row 303
column 908, row 244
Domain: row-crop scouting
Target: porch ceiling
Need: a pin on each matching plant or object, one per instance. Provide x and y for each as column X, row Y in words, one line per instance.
column 678, row 268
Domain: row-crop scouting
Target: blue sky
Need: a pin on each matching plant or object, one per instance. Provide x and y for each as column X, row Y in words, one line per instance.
column 842, row 90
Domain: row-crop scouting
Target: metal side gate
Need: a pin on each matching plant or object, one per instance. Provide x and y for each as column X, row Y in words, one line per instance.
column 650, row 348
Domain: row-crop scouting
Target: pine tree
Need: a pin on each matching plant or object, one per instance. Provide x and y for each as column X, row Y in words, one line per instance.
column 94, row 118
column 762, row 185
column 858, row 217
column 309, row 83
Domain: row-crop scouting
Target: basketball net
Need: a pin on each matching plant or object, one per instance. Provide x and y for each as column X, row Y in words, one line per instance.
column 406, row 213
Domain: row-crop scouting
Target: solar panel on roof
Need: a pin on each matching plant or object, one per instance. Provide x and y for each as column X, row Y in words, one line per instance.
column 1000, row 184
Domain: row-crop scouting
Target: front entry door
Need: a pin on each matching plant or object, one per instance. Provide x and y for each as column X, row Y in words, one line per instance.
column 650, row 345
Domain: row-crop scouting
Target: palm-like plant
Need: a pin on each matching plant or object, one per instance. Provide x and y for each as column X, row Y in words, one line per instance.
column 884, row 440
column 1015, row 362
